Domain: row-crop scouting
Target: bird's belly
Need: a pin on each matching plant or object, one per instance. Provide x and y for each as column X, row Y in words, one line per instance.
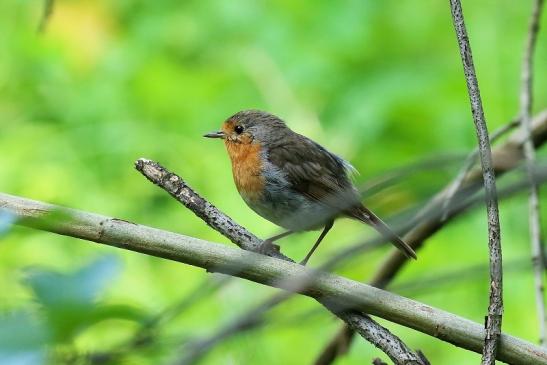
column 276, row 201
column 289, row 210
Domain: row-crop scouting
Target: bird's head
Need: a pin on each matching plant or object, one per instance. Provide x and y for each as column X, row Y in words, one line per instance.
column 249, row 126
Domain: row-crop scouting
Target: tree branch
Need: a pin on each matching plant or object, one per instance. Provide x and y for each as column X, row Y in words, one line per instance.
column 206, row 211
column 526, row 99
column 495, row 308
column 329, row 288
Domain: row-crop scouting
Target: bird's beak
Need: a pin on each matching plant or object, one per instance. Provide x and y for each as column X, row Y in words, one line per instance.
column 219, row 134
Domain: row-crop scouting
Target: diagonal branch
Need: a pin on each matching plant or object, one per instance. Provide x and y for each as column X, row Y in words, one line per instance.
column 470, row 162
column 176, row 187
column 495, row 308
column 206, row 211
column 335, row 290
column 526, row 99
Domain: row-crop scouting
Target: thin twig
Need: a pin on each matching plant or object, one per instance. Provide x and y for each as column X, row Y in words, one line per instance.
column 526, row 100
column 495, row 308
column 46, row 15
column 506, row 157
column 424, row 359
column 378, row 361
column 176, row 186
column 196, row 350
column 447, row 279
column 470, row 162
column 146, row 335
column 267, row 271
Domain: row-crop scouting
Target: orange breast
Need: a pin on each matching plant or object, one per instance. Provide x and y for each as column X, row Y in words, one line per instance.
column 247, row 169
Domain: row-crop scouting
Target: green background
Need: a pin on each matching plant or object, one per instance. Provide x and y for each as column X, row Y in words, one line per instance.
column 378, row 82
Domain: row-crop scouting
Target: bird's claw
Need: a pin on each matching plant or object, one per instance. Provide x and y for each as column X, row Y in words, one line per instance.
column 267, row 247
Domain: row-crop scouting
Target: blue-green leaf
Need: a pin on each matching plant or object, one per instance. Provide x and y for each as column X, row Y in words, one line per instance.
column 22, row 340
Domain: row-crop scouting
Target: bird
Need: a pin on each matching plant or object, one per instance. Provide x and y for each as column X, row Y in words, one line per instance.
column 292, row 181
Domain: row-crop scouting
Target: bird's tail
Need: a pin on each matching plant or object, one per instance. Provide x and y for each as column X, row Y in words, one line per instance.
column 366, row 216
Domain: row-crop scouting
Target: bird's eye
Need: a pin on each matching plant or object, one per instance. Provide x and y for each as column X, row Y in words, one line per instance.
column 238, row 129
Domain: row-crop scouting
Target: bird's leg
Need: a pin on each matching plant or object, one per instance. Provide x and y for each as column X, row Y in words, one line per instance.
column 326, row 230
column 267, row 245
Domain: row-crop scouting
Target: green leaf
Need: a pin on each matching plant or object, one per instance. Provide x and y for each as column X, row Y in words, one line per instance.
column 7, row 219
column 22, row 340
column 69, row 300
column 80, row 288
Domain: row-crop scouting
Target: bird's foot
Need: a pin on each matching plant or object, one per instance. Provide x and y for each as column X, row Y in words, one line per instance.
column 267, row 247
column 305, row 261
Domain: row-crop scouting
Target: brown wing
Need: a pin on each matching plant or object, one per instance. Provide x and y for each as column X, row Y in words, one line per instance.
column 323, row 177
column 315, row 172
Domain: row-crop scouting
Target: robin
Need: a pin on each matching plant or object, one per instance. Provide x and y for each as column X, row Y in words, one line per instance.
column 291, row 180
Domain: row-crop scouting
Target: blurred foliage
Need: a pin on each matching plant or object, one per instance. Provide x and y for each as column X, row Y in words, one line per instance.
column 378, row 82
column 7, row 219
column 69, row 301
column 23, row 339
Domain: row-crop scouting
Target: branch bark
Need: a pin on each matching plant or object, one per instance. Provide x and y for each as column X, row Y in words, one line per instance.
column 338, row 291
column 495, row 308
column 526, row 100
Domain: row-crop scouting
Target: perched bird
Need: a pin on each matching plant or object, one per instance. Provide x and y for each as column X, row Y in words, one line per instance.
column 292, row 181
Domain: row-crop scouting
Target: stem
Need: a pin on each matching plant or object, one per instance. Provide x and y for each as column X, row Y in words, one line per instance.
column 526, row 100
column 495, row 308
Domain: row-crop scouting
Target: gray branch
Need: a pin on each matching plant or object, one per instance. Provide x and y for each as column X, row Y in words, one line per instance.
column 329, row 288
column 382, row 338
column 495, row 308
column 214, row 218
column 526, row 99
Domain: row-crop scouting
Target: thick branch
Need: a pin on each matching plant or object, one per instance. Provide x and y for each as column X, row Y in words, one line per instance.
column 526, row 99
column 339, row 291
